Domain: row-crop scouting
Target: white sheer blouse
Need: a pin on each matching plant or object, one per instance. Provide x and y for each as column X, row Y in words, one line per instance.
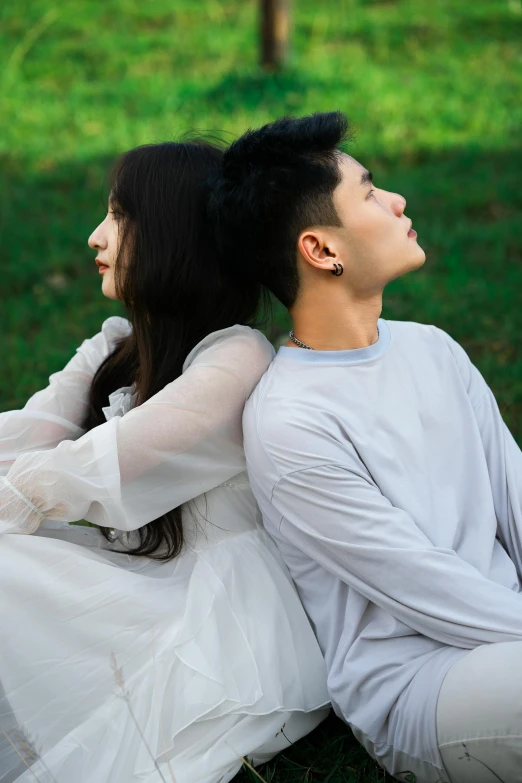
column 182, row 442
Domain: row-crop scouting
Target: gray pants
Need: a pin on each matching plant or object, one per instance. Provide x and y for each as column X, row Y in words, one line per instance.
column 479, row 715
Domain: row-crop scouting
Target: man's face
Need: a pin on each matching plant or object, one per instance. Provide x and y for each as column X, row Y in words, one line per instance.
column 375, row 242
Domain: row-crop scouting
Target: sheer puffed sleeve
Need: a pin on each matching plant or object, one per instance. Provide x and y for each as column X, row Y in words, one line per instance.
column 183, row 441
column 55, row 413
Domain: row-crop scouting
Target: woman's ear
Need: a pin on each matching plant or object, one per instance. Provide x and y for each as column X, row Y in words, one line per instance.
column 318, row 249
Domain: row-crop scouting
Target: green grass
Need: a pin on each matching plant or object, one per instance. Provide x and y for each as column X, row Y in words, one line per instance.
column 433, row 87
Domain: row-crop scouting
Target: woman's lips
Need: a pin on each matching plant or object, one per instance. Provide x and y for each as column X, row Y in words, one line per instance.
column 102, row 268
column 412, row 233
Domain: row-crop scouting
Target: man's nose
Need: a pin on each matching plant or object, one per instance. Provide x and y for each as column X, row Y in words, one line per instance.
column 398, row 204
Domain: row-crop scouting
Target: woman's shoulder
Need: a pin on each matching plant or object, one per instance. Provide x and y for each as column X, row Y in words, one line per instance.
column 237, row 343
column 94, row 350
column 115, row 327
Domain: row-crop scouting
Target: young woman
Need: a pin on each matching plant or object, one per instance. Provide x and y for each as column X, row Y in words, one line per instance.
column 167, row 641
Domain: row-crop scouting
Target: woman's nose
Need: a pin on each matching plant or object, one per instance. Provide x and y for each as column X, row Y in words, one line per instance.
column 96, row 239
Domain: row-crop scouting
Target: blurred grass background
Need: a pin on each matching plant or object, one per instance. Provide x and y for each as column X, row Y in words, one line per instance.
column 432, row 86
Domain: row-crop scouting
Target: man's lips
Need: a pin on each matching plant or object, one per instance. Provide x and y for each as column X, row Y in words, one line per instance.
column 411, row 231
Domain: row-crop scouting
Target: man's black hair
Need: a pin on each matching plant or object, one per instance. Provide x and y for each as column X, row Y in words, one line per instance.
column 275, row 182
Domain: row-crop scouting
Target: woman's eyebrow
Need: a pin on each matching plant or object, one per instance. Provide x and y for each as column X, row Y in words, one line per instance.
column 366, row 177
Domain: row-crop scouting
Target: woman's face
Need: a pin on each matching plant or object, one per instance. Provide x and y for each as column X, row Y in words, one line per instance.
column 106, row 240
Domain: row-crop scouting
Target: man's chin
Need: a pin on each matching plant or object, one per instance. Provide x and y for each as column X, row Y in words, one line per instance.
column 418, row 258
column 413, row 262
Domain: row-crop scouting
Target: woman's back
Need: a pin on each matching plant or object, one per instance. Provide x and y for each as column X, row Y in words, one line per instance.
column 207, row 654
column 166, row 639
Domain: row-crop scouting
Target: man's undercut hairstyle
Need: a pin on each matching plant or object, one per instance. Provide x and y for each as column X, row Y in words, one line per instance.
column 276, row 182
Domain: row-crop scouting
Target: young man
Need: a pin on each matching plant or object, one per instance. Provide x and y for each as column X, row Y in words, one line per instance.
column 381, row 464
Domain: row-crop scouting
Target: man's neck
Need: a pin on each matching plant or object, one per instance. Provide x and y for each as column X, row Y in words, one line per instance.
column 338, row 324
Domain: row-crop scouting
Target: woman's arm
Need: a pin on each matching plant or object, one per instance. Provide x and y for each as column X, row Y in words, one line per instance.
column 127, row 472
column 55, row 413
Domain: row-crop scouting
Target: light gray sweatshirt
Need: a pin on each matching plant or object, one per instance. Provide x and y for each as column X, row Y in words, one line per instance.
column 393, row 489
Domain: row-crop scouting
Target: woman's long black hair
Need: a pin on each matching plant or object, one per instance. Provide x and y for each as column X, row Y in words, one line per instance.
column 173, row 285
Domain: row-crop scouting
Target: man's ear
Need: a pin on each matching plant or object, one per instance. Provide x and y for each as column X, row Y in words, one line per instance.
column 318, row 248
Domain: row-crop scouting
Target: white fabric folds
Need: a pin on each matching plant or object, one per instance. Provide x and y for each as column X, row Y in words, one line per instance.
column 113, row 667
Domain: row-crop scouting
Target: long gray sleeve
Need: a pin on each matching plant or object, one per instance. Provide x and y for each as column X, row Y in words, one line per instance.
column 343, row 522
column 503, row 455
column 504, row 460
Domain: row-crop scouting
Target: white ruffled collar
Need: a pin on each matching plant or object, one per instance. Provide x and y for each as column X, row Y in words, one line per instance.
column 120, row 402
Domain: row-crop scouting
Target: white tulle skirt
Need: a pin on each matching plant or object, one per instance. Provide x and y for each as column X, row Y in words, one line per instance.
column 118, row 669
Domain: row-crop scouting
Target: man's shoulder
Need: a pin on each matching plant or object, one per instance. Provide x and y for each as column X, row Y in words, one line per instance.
column 285, row 429
column 431, row 333
column 447, row 352
column 268, row 405
column 412, row 329
column 280, row 391
column 420, row 336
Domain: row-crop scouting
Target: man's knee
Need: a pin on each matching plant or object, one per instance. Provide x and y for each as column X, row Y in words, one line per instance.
column 479, row 715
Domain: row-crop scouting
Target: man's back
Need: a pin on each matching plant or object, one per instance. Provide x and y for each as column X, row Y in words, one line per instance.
column 385, row 475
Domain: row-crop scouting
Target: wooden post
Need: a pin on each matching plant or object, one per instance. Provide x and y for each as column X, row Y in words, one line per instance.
column 274, row 33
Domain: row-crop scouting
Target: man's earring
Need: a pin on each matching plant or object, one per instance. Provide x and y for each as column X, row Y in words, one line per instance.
column 339, row 269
